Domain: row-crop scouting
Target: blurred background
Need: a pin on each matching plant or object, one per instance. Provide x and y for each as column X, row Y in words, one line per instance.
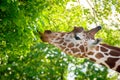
column 23, row 56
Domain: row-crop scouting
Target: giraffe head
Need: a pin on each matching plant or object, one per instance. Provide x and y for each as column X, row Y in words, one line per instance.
column 78, row 41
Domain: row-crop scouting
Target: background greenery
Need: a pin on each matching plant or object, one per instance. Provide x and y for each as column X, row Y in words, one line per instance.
column 24, row 57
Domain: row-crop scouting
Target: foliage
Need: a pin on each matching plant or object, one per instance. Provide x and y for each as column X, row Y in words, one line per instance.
column 24, row 57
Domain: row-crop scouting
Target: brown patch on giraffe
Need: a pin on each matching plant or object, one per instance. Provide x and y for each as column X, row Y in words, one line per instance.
column 103, row 49
column 64, row 43
column 114, row 53
column 102, row 64
column 78, row 55
column 118, row 68
column 106, row 54
column 92, row 59
column 77, row 44
column 83, row 55
column 111, row 61
column 71, row 45
column 66, row 49
column 61, row 41
column 74, row 50
column 97, row 48
column 99, row 55
column 68, row 52
column 82, row 48
column 62, row 34
column 90, row 53
column 58, row 38
column 111, row 47
column 62, row 47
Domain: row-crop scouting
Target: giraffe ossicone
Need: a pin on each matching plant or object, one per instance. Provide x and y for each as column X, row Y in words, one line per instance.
column 82, row 44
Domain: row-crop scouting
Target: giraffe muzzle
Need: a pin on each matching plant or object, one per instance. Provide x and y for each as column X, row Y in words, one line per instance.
column 45, row 37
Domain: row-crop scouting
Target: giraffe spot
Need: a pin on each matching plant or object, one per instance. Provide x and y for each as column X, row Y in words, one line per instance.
column 78, row 55
column 71, row 45
column 66, row 49
column 106, row 54
column 61, row 41
column 62, row 47
column 82, row 48
column 97, row 48
column 99, row 55
column 118, row 68
column 92, row 59
column 102, row 64
column 62, row 34
column 68, row 52
column 77, row 44
column 75, row 50
column 83, row 55
column 58, row 38
column 103, row 49
column 64, row 43
column 111, row 47
column 114, row 53
column 111, row 62
column 90, row 53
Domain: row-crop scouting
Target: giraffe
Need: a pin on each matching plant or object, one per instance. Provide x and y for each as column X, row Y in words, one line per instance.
column 82, row 44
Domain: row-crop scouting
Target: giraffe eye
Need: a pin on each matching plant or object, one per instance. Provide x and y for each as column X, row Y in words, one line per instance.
column 76, row 37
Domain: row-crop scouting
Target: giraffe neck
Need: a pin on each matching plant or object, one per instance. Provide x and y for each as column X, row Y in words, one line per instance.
column 103, row 54
column 106, row 55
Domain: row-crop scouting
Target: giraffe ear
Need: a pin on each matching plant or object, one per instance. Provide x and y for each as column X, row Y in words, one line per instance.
column 78, row 29
column 94, row 30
